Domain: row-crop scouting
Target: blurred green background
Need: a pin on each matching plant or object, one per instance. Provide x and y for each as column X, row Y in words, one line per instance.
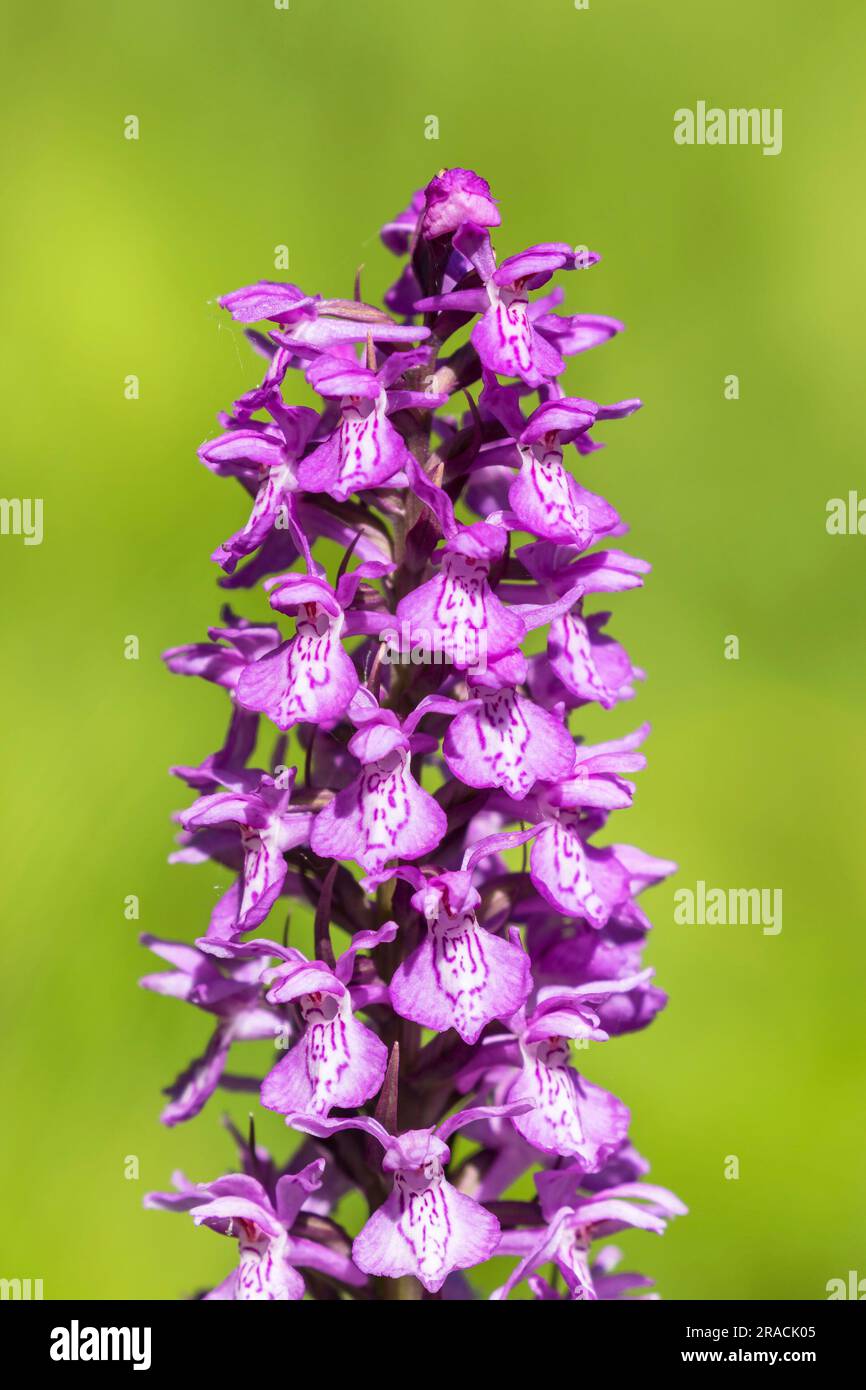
column 259, row 127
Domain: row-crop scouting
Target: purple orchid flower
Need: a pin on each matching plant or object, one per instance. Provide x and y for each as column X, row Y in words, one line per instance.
column 426, row 1227
column 454, row 197
column 505, row 338
column 501, row 739
column 309, row 319
column 575, row 1221
column 364, row 450
column 310, row 678
column 571, row 1116
column 572, row 875
column 221, row 661
column 583, row 664
column 590, row 665
column 568, row 872
column 232, row 993
column 458, row 615
column 268, row 827
column 275, row 455
column 337, row 1060
column 449, row 821
column 545, row 498
column 268, row 1251
column 230, row 649
column 461, row 976
column 383, row 813
column 457, row 609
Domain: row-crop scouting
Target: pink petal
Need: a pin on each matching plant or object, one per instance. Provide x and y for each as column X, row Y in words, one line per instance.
column 383, row 814
column 508, row 742
column 461, row 977
column 549, row 503
column 457, row 615
column 560, row 871
column 428, row 1234
column 571, row 1116
column 264, row 874
column 507, row 343
column 338, row 1062
column 309, row 679
column 263, row 1274
column 364, row 451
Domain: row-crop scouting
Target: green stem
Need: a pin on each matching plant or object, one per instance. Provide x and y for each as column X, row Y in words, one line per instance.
column 405, row 1288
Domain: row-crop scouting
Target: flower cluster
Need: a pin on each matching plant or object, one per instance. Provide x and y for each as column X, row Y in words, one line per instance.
column 474, row 926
